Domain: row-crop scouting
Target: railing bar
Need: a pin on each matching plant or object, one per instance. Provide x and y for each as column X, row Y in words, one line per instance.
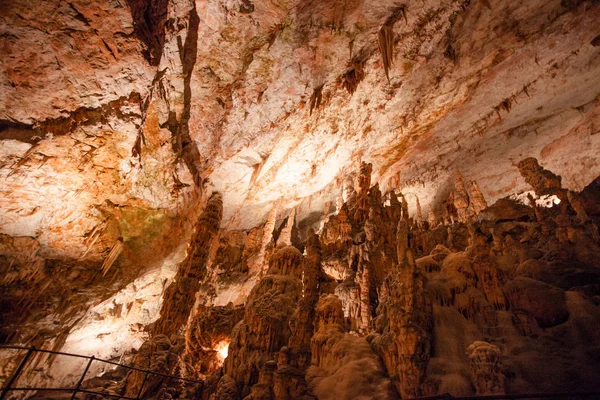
column 32, row 349
column 534, row 396
column 85, row 371
column 100, row 360
column 171, row 376
column 142, row 386
column 44, row 351
column 17, row 372
column 499, row 397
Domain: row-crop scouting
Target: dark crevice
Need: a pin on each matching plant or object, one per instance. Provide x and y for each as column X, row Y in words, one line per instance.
column 149, row 18
column 79, row 16
column 246, row 7
column 82, row 116
column 183, row 144
column 110, row 50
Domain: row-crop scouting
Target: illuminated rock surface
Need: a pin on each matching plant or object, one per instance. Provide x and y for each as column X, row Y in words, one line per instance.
column 304, row 199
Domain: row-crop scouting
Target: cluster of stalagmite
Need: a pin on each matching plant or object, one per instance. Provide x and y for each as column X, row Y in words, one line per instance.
column 118, row 119
column 404, row 321
column 467, row 203
column 381, row 304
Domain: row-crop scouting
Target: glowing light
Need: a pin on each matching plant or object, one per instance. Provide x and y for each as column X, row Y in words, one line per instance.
column 547, row 201
column 223, row 349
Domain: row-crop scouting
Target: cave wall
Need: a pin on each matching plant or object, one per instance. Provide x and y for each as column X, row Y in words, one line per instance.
column 383, row 304
column 119, row 119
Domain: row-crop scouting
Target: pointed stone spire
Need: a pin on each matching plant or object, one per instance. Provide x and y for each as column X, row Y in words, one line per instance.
column 431, row 219
column 267, row 239
column 419, row 213
column 477, row 200
column 285, row 237
column 404, row 208
column 338, row 204
column 460, row 197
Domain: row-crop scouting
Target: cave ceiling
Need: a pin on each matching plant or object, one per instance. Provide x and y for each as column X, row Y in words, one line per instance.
column 119, row 118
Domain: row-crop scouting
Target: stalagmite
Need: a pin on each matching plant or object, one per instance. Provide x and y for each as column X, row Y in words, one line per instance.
column 460, row 198
column 542, row 180
column 338, row 204
column 419, row 220
column 179, row 295
column 431, row 219
column 575, row 202
column 266, row 245
column 486, row 368
column 363, row 183
column 476, row 199
column 179, row 299
column 404, row 343
column 405, row 215
column 219, row 191
column 301, row 322
column 285, row 237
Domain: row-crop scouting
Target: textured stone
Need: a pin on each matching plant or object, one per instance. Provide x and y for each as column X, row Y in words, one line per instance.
column 118, row 119
column 544, row 302
column 486, row 368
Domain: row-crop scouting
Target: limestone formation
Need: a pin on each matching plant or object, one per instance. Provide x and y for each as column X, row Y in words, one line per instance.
column 207, row 336
column 486, row 368
column 419, row 214
column 285, row 237
column 476, row 199
column 543, row 181
column 168, row 171
column 301, row 323
column 179, row 296
column 460, row 198
column 264, row 330
column 363, row 184
column 178, row 301
column 404, row 322
column 431, row 219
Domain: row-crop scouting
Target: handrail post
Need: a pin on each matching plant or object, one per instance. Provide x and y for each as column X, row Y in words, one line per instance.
column 87, row 367
column 142, row 387
column 17, row 372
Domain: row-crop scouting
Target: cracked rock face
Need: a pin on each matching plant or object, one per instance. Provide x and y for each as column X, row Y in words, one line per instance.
column 147, row 103
column 404, row 190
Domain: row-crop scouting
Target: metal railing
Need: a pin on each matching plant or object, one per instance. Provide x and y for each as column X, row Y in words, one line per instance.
column 77, row 389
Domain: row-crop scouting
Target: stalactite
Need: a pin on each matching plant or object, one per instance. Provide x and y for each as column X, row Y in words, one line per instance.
column 316, row 98
column 386, row 38
column 386, row 47
column 353, row 76
column 114, row 253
